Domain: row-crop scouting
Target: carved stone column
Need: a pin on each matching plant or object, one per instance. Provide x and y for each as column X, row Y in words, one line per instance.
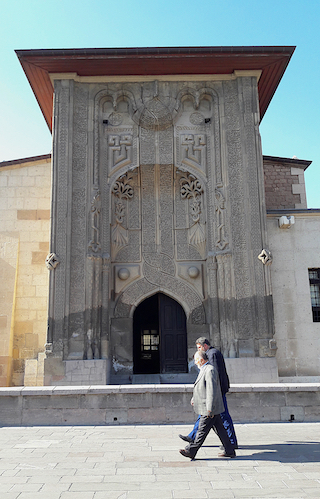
column 215, row 333
column 227, row 305
column 60, row 226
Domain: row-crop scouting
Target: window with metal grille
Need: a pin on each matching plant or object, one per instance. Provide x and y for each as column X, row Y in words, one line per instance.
column 314, row 278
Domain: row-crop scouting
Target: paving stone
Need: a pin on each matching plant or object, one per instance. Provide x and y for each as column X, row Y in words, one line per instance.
column 77, row 495
column 135, row 471
column 26, row 487
column 111, row 494
column 216, row 494
column 186, row 494
column 9, row 495
column 79, row 462
column 156, row 494
column 5, row 487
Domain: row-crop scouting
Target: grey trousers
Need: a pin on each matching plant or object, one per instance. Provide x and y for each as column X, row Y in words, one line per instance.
column 205, row 425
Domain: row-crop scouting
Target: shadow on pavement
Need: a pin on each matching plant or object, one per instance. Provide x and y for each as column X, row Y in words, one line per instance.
column 298, row 452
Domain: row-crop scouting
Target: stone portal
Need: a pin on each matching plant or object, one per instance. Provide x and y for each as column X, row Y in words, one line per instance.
column 158, row 196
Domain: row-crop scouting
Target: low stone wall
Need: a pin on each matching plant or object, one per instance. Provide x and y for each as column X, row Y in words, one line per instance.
column 152, row 404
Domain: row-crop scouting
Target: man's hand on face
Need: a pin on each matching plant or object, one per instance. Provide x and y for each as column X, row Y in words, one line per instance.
column 200, row 347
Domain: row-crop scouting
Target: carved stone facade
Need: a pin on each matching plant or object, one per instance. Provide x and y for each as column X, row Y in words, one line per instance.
column 157, row 188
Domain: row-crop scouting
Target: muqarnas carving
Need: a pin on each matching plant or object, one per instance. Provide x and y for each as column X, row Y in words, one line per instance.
column 122, row 192
column 191, row 189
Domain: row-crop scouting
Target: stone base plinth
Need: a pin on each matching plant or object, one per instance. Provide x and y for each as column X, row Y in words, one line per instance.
column 252, row 370
column 74, row 372
column 152, row 404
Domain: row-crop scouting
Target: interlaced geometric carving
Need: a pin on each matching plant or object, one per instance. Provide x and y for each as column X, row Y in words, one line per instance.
column 193, row 150
column 155, row 115
column 220, row 207
column 120, row 150
column 94, row 244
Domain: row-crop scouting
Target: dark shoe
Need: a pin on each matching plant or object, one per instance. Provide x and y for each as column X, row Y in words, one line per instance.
column 224, row 454
column 186, row 454
column 186, row 438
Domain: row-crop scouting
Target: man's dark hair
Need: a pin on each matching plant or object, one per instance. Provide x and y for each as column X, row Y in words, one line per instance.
column 202, row 355
column 202, row 341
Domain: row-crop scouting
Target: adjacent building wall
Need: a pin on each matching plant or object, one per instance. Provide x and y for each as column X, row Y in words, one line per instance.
column 284, row 183
column 25, row 188
column 295, row 250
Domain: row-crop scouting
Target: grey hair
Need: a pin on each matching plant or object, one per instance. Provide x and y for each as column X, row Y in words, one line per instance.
column 201, row 354
column 202, row 341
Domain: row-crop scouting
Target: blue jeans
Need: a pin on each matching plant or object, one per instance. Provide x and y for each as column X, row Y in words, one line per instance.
column 226, row 421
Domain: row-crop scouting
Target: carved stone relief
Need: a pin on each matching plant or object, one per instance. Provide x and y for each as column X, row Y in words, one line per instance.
column 120, row 150
column 122, row 192
column 58, row 292
column 265, row 257
column 227, row 309
column 192, row 273
column 164, row 157
column 125, row 275
column 192, row 191
column 52, row 260
column 193, row 150
column 156, row 281
column 221, row 241
column 94, row 244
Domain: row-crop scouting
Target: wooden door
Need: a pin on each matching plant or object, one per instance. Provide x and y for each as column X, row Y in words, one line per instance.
column 146, row 337
column 159, row 337
column 173, row 336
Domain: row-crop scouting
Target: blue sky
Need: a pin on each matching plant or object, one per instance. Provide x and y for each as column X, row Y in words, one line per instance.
column 290, row 126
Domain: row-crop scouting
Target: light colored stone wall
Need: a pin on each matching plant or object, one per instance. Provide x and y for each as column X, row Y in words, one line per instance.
column 294, row 251
column 25, row 189
column 152, row 404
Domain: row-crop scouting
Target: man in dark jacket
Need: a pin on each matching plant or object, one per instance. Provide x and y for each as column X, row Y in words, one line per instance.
column 216, row 359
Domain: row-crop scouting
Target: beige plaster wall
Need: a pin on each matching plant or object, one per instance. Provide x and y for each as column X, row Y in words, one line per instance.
column 24, row 244
column 294, row 251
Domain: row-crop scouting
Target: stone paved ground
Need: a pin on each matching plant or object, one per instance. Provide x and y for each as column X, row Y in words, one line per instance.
column 142, row 462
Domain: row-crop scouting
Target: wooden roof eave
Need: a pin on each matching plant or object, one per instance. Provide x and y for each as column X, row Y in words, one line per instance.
column 38, row 64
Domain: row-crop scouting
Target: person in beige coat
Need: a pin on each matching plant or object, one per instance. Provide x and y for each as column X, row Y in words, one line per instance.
column 207, row 401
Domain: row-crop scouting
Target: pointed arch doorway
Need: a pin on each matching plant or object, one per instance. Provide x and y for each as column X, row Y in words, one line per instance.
column 159, row 336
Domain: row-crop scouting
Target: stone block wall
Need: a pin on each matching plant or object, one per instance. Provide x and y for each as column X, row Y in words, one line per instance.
column 294, row 251
column 284, row 183
column 152, row 404
column 25, row 190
